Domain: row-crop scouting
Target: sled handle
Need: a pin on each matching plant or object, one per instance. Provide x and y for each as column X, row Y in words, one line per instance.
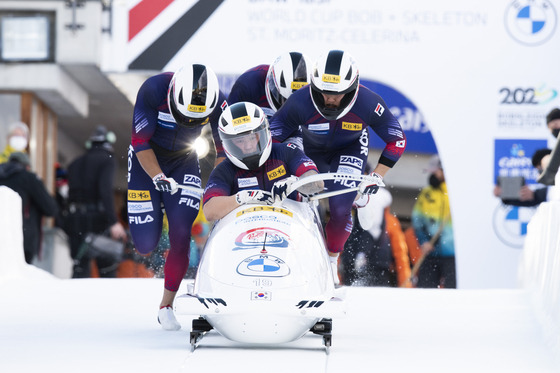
column 310, row 179
column 331, row 176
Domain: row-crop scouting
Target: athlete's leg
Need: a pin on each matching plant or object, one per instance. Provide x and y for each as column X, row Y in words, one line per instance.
column 181, row 209
column 145, row 217
column 337, row 230
column 350, row 160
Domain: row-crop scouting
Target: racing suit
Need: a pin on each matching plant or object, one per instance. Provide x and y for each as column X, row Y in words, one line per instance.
column 340, row 145
column 285, row 160
column 154, row 127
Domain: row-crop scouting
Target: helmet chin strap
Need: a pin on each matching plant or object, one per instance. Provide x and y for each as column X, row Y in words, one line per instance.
column 252, row 162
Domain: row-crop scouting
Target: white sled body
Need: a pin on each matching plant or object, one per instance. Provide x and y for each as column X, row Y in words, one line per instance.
column 264, row 276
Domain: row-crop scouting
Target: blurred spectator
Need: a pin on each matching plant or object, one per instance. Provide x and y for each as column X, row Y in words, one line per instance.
column 61, row 196
column 18, row 139
column 376, row 253
column 36, row 201
column 533, row 194
column 431, row 219
column 553, row 122
column 91, row 204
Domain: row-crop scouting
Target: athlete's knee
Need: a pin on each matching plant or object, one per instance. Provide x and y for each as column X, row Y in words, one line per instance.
column 143, row 244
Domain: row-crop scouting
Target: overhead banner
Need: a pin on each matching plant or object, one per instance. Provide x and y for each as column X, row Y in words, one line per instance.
column 467, row 74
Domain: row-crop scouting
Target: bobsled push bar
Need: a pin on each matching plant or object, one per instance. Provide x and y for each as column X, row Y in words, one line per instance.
column 331, row 176
column 311, row 179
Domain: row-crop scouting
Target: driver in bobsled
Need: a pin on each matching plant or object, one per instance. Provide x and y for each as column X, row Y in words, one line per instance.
column 254, row 165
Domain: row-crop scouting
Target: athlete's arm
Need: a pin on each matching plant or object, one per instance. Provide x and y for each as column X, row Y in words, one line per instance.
column 311, row 188
column 219, row 206
column 149, row 163
column 381, row 169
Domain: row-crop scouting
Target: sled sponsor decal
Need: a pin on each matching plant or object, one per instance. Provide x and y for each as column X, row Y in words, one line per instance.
column 139, row 195
column 263, row 265
column 265, row 208
column 259, row 237
column 261, row 295
column 263, row 220
column 214, row 301
column 309, row 304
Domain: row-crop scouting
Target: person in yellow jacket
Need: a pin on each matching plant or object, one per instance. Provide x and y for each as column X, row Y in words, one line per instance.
column 431, row 219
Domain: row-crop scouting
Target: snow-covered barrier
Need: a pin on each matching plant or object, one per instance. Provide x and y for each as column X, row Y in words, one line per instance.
column 540, row 268
column 11, row 247
column 12, row 258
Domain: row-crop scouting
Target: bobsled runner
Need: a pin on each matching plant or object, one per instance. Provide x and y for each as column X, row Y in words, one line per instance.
column 265, row 276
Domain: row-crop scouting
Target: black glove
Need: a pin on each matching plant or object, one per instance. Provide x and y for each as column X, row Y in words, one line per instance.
column 165, row 184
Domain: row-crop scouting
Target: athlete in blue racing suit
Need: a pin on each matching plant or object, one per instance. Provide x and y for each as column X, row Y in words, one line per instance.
column 332, row 116
column 160, row 157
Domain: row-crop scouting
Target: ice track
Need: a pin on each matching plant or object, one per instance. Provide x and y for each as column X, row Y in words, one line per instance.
column 95, row 325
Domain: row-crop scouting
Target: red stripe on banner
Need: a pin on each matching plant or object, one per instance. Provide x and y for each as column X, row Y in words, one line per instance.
column 143, row 13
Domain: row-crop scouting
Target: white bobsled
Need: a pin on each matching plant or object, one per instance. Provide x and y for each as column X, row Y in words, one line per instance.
column 264, row 277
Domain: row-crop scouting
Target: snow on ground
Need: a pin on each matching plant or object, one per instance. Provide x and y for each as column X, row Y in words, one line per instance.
column 109, row 325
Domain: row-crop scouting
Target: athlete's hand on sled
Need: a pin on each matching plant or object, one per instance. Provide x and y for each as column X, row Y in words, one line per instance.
column 372, row 184
column 165, row 184
column 253, row 196
column 280, row 188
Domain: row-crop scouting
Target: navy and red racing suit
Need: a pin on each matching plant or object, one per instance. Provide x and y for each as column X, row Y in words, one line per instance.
column 154, row 128
column 340, row 145
column 285, row 160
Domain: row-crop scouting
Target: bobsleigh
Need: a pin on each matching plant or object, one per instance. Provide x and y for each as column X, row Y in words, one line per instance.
column 265, row 276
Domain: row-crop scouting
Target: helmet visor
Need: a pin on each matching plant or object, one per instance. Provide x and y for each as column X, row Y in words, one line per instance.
column 247, row 147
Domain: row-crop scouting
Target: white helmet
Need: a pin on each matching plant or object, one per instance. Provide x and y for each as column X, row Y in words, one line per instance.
column 335, row 73
column 288, row 73
column 245, row 135
column 193, row 95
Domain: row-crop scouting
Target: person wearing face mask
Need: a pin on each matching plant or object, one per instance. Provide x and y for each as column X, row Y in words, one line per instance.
column 553, row 122
column 18, row 137
column 36, row 202
column 431, row 219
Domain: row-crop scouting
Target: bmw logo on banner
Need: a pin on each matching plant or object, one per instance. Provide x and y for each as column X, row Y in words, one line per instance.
column 510, row 224
column 530, row 22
